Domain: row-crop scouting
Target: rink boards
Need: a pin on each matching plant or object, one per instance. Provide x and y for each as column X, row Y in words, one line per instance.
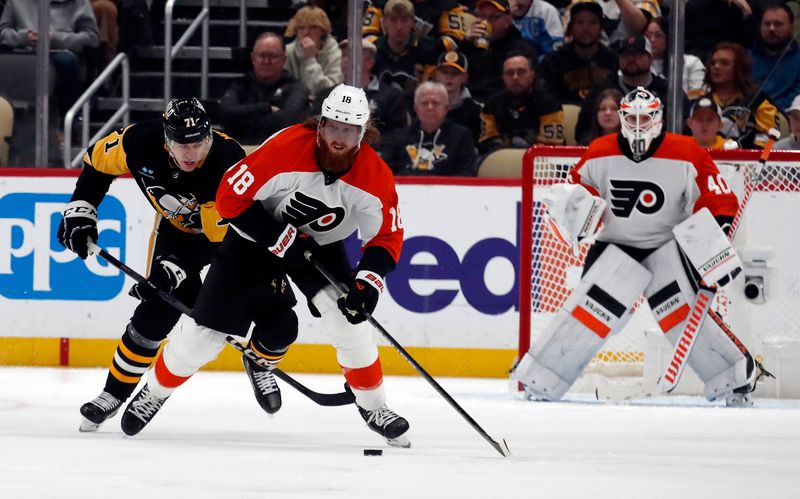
column 452, row 300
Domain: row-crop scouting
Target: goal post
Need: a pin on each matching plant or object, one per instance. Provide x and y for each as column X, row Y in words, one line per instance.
column 768, row 321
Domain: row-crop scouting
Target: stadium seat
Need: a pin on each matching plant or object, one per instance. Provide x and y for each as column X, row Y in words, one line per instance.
column 6, row 129
column 502, row 163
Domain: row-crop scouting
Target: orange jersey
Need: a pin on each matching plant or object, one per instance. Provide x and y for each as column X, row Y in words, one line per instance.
column 283, row 175
column 647, row 199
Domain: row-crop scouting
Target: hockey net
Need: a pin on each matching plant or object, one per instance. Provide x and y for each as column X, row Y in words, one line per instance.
column 549, row 270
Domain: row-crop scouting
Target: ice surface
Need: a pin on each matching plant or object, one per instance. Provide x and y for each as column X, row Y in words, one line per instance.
column 211, row 440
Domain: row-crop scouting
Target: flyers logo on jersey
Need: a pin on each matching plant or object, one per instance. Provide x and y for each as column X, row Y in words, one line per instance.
column 305, row 210
column 646, row 197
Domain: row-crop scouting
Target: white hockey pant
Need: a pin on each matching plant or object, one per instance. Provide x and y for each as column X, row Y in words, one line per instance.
column 356, row 351
column 189, row 348
column 718, row 357
column 598, row 307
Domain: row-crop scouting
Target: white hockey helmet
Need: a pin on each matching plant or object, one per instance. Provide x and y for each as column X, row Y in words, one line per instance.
column 640, row 119
column 347, row 104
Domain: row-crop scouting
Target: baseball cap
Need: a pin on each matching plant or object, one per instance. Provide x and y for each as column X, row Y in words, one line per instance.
column 705, row 103
column 590, row 5
column 404, row 6
column 453, row 58
column 634, row 43
column 795, row 105
column 501, row 5
column 366, row 44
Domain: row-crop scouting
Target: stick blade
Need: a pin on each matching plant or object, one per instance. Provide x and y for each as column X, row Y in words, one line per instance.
column 502, row 448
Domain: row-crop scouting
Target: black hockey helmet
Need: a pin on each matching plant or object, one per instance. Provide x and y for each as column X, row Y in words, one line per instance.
column 186, row 121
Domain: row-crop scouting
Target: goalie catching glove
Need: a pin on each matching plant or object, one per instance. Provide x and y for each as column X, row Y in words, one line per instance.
column 78, row 226
column 708, row 248
column 166, row 276
column 572, row 212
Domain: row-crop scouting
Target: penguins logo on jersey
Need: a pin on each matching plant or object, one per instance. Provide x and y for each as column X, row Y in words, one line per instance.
column 303, row 209
column 175, row 207
column 626, row 195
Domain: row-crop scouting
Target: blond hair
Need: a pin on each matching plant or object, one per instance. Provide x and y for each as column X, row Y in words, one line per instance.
column 309, row 16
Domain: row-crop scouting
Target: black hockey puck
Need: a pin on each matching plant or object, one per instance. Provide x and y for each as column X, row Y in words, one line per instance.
column 373, row 452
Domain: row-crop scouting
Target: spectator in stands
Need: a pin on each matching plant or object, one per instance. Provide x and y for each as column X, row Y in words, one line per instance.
column 451, row 71
column 443, row 19
column 539, row 22
column 606, row 114
column 524, row 112
column 73, row 34
column 105, row 12
column 777, row 54
column 624, row 18
column 793, row 140
column 387, row 103
column 314, row 57
column 572, row 70
column 489, row 40
column 432, row 145
column 635, row 57
column 693, row 70
column 709, row 22
column 746, row 115
column 403, row 57
column 265, row 100
column 705, row 123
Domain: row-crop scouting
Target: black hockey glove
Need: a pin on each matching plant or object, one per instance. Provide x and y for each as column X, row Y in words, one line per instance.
column 77, row 227
column 166, row 276
column 291, row 245
column 362, row 297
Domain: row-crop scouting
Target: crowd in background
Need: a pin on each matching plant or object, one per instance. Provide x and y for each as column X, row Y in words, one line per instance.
column 450, row 82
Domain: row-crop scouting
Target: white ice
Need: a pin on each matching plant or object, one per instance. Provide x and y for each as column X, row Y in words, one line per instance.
column 211, row 440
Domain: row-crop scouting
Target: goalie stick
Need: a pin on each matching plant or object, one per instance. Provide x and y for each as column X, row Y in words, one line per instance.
column 697, row 315
column 501, row 447
column 323, row 399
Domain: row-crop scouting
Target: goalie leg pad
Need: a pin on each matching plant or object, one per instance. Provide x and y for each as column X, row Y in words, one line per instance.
column 190, row 347
column 598, row 307
column 718, row 357
column 356, row 351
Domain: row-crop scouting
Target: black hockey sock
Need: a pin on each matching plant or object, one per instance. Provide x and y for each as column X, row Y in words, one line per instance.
column 134, row 355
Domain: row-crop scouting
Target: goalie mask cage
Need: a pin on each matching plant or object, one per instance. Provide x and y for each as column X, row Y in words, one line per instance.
column 767, row 240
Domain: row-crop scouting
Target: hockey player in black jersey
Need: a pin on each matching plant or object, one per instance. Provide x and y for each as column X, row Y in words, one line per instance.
column 178, row 163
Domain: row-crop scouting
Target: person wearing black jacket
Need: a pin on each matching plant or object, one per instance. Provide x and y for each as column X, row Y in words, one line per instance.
column 635, row 58
column 494, row 27
column 265, row 100
column 432, row 145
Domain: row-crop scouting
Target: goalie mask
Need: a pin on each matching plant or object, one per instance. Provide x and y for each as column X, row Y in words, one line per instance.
column 640, row 118
column 187, row 132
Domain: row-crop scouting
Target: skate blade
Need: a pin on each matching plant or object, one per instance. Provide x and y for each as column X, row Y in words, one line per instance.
column 88, row 426
column 401, row 441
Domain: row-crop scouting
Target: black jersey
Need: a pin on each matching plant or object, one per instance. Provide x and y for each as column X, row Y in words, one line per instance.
column 186, row 199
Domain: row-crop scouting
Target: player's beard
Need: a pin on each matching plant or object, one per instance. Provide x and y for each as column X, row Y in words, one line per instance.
column 335, row 161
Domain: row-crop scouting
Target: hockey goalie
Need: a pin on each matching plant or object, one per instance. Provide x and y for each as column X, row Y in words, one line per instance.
column 664, row 213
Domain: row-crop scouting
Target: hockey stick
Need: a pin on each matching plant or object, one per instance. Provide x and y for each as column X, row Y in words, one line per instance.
column 697, row 315
column 324, row 399
column 501, row 447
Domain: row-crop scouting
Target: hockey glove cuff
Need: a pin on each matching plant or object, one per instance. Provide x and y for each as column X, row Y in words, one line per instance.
column 291, row 246
column 166, row 276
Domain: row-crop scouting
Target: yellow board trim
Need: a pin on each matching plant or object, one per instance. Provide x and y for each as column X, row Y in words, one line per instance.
column 301, row 358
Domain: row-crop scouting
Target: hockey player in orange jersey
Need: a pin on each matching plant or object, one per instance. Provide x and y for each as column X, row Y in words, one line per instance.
column 663, row 206
column 306, row 188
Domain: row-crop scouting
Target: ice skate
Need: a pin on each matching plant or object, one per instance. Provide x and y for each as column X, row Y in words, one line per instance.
column 741, row 396
column 265, row 388
column 140, row 411
column 96, row 411
column 387, row 424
